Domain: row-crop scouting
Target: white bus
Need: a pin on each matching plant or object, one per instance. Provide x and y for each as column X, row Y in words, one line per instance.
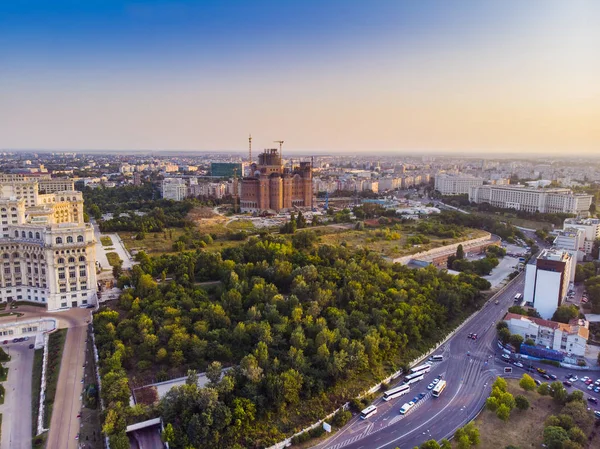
column 421, row 369
column 412, row 378
column 406, row 407
column 518, row 297
column 437, row 358
column 396, row 392
column 441, row 386
column 369, row 411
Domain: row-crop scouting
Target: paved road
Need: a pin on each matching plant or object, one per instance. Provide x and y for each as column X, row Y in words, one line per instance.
column 64, row 425
column 16, row 410
column 469, row 380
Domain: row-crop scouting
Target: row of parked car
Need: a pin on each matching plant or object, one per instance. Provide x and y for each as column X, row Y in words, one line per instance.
column 16, row 340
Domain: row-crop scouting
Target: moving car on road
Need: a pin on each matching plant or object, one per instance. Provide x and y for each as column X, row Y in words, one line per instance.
column 518, row 364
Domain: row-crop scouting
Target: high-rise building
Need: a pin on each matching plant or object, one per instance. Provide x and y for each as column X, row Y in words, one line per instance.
column 47, row 250
column 275, row 187
column 547, row 280
column 572, row 240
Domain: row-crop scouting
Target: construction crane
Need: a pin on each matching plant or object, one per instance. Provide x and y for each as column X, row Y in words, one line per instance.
column 280, row 142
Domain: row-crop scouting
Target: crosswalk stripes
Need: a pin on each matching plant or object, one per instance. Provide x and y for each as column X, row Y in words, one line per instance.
column 363, row 434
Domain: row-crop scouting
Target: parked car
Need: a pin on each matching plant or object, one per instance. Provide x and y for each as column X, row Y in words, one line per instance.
column 31, row 346
column 518, row 364
column 541, row 371
column 566, row 383
column 593, row 400
column 552, row 376
column 435, row 381
column 597, row 413
column 5, row 342
column 584, row 379
column 506, row 356
column 568, row 376
column 537, row 382
column 422, row 395
column 573, row 379
column 430, row 386
column 545, row 376
column 590, row 387
column 15, row 340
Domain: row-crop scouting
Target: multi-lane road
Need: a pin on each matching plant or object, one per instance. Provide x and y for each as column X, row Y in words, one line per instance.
column 469, row 367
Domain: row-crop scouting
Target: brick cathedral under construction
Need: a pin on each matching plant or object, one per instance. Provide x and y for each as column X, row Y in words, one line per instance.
column 273, row 187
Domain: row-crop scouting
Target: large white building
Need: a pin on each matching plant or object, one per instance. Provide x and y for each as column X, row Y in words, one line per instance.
column 532, row 199
column 547, row 280
column 590, row 228
column 448, row 184
column 47, row 251
column 567, row 338
column 572, row 240
column 174, row 189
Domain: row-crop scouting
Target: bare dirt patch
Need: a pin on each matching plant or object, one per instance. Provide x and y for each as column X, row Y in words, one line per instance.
column 524, row 429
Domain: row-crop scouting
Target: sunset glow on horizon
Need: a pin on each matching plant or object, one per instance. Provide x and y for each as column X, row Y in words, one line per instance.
column 337, row 76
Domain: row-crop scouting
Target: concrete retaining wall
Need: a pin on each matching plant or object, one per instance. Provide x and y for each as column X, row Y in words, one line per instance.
column 447, row 250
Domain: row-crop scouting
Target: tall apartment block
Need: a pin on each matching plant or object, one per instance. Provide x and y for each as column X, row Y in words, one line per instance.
column 547, row 280
column 47, row 251
column 275, row 187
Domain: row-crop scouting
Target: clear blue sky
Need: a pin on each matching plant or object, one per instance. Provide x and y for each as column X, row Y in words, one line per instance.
column 461, row 75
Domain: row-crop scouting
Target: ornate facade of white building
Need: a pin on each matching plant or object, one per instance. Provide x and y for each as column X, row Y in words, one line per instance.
column 47, row 252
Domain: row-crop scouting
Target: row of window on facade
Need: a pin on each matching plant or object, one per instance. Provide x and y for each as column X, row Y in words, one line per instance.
column 17, row 255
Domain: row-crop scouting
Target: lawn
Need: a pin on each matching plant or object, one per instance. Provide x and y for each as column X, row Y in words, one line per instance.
column 4, row 374
column 36, row 388
column 56, row 345
column 524, row 429
column 113, row 259
column 162, row 242
column 106, row 240
column 516, row 221
column 395, row 245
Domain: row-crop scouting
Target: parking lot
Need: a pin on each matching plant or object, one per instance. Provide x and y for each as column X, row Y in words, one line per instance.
column 16, row 410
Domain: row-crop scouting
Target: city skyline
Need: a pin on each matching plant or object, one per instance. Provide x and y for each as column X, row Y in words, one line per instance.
column 456, row 77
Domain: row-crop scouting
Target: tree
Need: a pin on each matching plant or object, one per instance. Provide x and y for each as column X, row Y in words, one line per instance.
column 576, row 395
column 503, row 412
column 213, row 372
column 516, row 340
column 564, row 314
column 544, row 389
column 521, row 402
column 292, row 384
column 168, row 434
column 500, row 384
column 431, row 444
column 504, row 335
column 577, row 435
column 445, row 444
column 558, row 392
column 530, row 342
column 492, row 404
column 501, row 325
column 527, row 383
column 460, row 252
column 554, row 437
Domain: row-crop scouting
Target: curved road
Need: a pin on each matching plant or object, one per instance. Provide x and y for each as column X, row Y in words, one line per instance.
column 469, row 378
